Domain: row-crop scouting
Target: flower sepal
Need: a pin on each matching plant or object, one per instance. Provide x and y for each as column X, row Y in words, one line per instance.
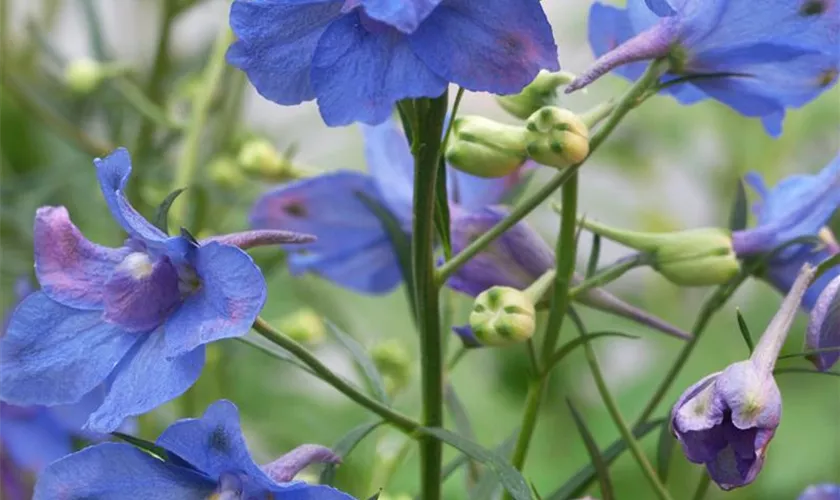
column 542, row 91
column 485, row 148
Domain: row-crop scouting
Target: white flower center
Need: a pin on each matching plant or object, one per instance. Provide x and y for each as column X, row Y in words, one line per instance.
column 138, row 264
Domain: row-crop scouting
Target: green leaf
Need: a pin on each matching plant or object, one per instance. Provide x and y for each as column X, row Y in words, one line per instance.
column 161, row 214
column 460, row 418
column 363, row 360
column 569, row 346
column 745, row 331
column 601, row 468
column 345, row 446
column 664, row 451
column 144, row 445
column 576, row 486
column 442, row 219
column 739, row 213
column 510, row 478
column 826, row 265
column 594, row 256
column 376, row 496
column 504, row 449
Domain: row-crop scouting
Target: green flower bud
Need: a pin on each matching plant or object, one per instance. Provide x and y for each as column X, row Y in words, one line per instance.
column 304, row 326
column 503, row 315
column 394, row 363
column 696, row 257
column 557, row 137
column 260, row 158
column 225, row 172
column 540, row 92
column 83, row 76
column 485, row 148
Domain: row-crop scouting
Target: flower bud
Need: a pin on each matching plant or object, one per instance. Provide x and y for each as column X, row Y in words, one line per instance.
column 485, row 148
column 824, row 327
column 557, row 137
column 260, row 158
column 503, row 315
column 696, row 257
column 304, row 326
column 394, row 363
column 84, row 75
column 226, row 173
column 540, row 92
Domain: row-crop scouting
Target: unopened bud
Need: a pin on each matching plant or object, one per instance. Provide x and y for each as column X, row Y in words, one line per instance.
column 502, row 315
column 540, row 92
column 260, row 158
column 394, row 363
column 225, row 172
column 84, row 75
column 485, row 148
column 557, row 137
column 304, row 326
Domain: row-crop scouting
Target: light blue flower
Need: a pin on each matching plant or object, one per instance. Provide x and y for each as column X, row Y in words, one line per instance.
column 821, row 492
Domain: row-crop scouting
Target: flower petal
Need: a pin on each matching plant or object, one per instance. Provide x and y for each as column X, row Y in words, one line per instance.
column 391, row 166
column 609, row 27
column 34, row 439
column 359, row 74
column 821, row 492
column 118, row 471
column 474, row 193
column 277, row 42
column 467, row 336
column 404, row 15
column 141, row 294
column 70, row 269
column 144, row 380
column 696, row 409
column 113, row 172
column 501, row 45
column 213, row 443
column 782, row 273
column 53, row 354
column 824, row 325
column 750, row 394
column 228, row 300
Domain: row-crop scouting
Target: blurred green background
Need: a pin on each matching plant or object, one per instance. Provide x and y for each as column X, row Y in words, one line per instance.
column 667, row 167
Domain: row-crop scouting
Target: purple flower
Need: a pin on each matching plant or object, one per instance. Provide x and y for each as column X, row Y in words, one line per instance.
column 824, row 325
column 758, row 60
column 799, row 205
column 726, row 420
column 134, row 318
column 359, row 57
column 516, row 260
column 821, row 492
column 353, row 249
column 207, row 458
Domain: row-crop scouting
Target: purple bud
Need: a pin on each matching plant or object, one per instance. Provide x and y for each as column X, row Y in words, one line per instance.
column 824, row 327
column 821, row 492
column 285, row 468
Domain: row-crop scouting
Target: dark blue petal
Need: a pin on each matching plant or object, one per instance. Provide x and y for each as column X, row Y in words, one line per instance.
column 146, row 379
column 465, row 333
column 404, row 15
column 360, row 74
column 782, row 272
column 493, row 45
column 277, row 41
column 32, row 437
column 303, row 491
column 228, row 300
column 141, row 293
column 113, row 172
column 391, row 166
column 53, row 354
column 70, row 269
column 118, row 471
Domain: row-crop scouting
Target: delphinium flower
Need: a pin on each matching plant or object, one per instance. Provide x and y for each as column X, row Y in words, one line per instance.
column 134, row 318
column 821, row 492
column 759, row 58
column 798, row 206
column 359, row 57
column 353, row 248
column 726, row 420
column 206, row 457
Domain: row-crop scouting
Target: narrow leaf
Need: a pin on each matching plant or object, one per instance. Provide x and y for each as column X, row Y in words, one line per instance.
column 664, row 452
column 745, row 331
column 160, row 219
column 144, row 445
column 826, row 265
column 570, row 346
column 442, row 219
column 504, row 449
column 780, row 371
column 345, row 446
column 598, row 463
column 376, row 496
column 809, row 353
column 739, row 213
column 460, row 418
column 510, row 478
column 363, row 360
column 594, row 256
column 273, row 350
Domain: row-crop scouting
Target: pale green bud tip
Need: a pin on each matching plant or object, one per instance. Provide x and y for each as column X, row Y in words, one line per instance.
column 260, row 157
column 225, row 172
column 542, row 91
column 485, row 148
column 304, row 326
column 557, row 137
column 393, row 362
column 84, row 75
column 503, row 315
column 700, row 257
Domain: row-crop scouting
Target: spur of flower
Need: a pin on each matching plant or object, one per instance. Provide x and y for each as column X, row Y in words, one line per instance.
column 758, row 58
column 134, row 318
column 359, row 57
column 202, row 458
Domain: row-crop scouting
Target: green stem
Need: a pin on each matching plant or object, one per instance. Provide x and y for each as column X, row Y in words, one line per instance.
column 143, row 104
column 702, row 486
column 426, row 149
column 529, row 423
column 608, row 275
column 628, row 101
column 618, row 419
column 395, row 418
column 188, row 166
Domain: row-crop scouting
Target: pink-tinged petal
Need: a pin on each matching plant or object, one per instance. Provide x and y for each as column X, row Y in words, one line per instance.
column 141, row 293
column 285, row 468
column 53, row 354
column 71, row 270
column 259, row 238
column 228, row 299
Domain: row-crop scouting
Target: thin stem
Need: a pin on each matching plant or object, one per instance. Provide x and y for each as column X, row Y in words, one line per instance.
column 529, row 422
column 188, row 166
column 396, row 419
column 607, row 275
column 598, row 113
column 702, row 486
column 426, row 149
column 618, row 419
column 456, row 358
column 143, row 104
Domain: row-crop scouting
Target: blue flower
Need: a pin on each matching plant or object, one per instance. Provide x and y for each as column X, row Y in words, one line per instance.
column 798, row 206
column 353, row 249
column 134, row 318
column 207, row 458
column 758, row 60
column 359, row 57
column 821, row 492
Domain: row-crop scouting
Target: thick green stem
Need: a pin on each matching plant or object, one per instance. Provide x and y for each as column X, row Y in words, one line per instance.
column 426, row 146
column 395, row 418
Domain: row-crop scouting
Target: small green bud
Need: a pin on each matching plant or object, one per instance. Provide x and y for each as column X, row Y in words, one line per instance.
column 83, row 76
column 540, row 92
column 485, row 148
column 394, row 363
column 225, row 172
column 304, row 326
column 502, row 315
column 557, row 137
column 260, row 158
